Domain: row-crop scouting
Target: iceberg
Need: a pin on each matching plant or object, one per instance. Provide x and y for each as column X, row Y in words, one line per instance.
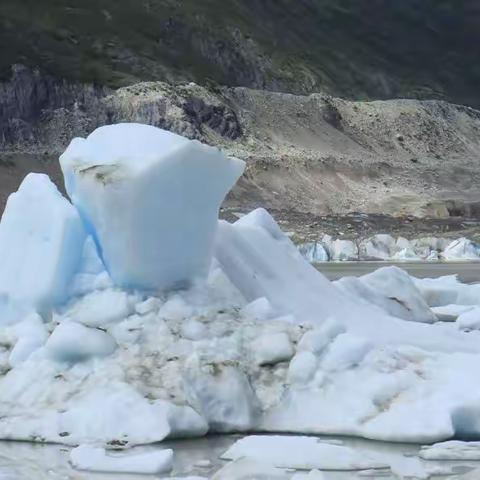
column 121, row 356
column 41, row 243
column 150, row 198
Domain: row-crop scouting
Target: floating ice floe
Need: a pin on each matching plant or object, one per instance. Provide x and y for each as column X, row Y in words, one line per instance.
column 96, row 459
column 248, row 469
column 264, row 342
column 305, row 453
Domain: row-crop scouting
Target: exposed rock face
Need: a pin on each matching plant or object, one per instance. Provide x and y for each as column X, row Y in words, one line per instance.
column 312, row 154
column 39, row 113
column 32, row 101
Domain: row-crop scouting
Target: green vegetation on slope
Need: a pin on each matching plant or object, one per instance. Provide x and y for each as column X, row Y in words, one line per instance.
column 354, row 48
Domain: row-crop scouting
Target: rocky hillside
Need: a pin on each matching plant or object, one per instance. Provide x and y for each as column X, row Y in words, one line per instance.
column 307, row 155
column 354, row 49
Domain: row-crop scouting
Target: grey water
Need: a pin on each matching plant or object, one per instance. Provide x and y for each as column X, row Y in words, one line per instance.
column 467, row 272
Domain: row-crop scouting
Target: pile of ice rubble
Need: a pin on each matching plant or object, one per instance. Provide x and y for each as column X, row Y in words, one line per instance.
column 132, row 314
column 384, row 247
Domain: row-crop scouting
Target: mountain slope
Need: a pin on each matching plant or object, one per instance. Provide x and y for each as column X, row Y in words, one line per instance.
column 360, row 50
column 306, row 154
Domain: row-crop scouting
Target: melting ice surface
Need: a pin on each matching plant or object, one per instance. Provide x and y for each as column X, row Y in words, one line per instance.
column 100, row 347
column 147, row 194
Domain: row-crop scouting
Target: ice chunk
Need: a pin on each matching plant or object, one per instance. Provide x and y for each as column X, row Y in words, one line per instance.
column 302, row 368
column 257, row 257
column 379, row 247
column 448, row 290
column 193, row 330
column 346, row 351
column 299, row 452
column 151, row 304
column 396, row 287
column 259, row 309
column 314, row 252
column 461, row 249
column 449, row 313
column 30, row 334
column 73, row 342
column 451, row 450
column 96, row 459
column 223, row 396
column 438, row 291
column 261, row 262
column 100, row 308
column 41, row 243
column 250, row 469
column 406, row 254
column 344, row 250
column 317, row 339
column 150, row 198
column 272, row 348
column 469, row 320
column 93, row 415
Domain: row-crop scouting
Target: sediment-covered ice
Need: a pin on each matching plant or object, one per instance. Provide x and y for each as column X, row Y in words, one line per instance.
column 150, row 198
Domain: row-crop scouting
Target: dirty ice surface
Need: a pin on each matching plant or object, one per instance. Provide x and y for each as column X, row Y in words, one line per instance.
column 136, row 317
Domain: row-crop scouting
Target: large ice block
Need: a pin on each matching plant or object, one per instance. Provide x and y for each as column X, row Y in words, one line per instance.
column 41, row 242
column 150, row 198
